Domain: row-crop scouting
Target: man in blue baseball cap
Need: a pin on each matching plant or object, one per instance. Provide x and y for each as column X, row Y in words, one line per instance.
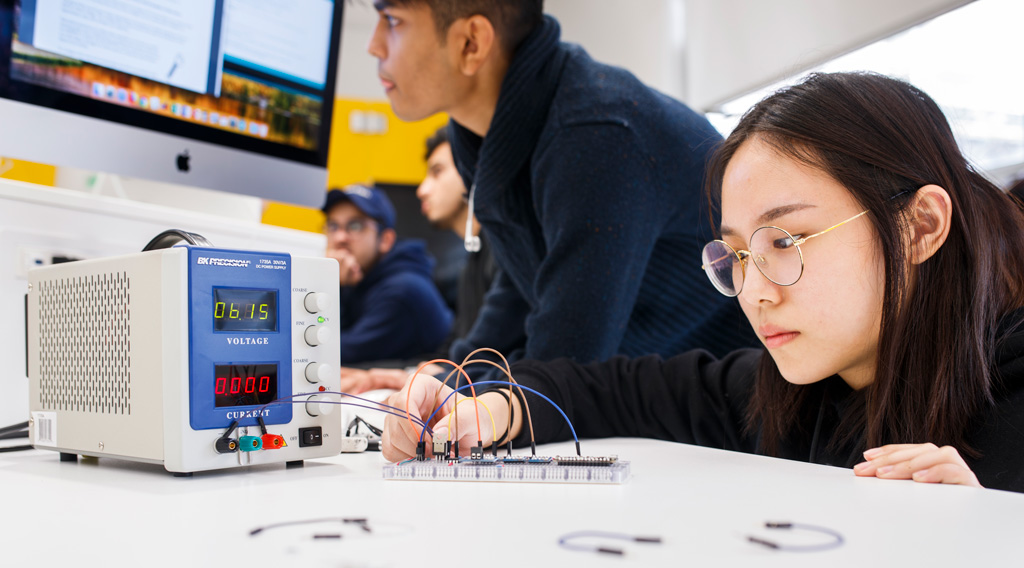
column 390, row 308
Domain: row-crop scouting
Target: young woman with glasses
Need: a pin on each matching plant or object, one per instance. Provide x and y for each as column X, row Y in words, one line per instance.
column 884, row 276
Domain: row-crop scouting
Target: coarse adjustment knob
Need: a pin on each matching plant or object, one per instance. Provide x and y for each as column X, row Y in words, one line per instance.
column 315, row 302
column 317, row 372
column 319, row 405
column 317, row 334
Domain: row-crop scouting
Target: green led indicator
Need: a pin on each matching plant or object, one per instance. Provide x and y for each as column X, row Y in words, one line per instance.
column 321, row 319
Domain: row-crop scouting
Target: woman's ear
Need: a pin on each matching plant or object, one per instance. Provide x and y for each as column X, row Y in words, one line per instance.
column 929, row 217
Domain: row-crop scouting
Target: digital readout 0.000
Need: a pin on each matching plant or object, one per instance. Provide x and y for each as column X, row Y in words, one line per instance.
column 240, row 309
column 244, row 384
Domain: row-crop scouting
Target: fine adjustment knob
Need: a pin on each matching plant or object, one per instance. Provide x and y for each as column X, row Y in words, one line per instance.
column 319, row 405
column 315, row 302
column 317, row 334
column 317, row 372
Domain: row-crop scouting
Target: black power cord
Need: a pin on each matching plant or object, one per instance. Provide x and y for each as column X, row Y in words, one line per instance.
column 14, row 431
column 14, row 428
column 15, row 449
column 14, row 435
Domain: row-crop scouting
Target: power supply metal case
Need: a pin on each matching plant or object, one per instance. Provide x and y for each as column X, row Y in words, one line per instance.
column 152, row 356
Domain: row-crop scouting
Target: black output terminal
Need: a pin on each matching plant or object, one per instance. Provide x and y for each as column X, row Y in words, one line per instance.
column 477, row 451
column 226, row 444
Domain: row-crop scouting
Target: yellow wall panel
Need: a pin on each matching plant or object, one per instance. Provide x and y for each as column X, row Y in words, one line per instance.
column 30, row 172
column 369, row 144
column 293, row 217
column 392, row 156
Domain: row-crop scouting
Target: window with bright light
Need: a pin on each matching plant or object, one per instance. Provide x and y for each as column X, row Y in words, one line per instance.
column 969, row 60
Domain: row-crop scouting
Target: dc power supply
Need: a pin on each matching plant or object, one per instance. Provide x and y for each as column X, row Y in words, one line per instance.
column 154, row 356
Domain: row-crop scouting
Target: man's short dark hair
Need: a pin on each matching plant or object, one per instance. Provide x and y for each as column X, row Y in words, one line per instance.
column 436, row 140
column 513, row 20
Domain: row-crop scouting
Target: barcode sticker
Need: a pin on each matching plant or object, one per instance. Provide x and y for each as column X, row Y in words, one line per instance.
column 45, row 428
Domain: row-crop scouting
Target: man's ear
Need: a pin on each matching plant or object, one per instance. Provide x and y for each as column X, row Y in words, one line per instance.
column 475, row 41
column 929, row 216
column 387, row 241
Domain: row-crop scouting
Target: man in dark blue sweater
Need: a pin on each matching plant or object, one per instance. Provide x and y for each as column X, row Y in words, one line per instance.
column 587, row 183
column 390, row 308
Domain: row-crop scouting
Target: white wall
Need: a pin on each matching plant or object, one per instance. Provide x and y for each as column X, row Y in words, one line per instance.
column 644, row 36
column 357, row 69
column 703, row 52
column 737, row 46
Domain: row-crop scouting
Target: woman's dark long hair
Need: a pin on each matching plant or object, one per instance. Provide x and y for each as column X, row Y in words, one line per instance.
column 880, row 137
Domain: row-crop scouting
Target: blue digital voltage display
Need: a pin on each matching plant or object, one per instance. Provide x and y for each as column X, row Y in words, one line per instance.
column 239, row 359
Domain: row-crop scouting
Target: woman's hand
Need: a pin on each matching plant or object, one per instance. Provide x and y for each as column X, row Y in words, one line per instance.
column 400, row 437
column 925, row 463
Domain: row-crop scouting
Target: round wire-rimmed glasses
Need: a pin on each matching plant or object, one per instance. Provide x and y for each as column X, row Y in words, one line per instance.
column 775, row 252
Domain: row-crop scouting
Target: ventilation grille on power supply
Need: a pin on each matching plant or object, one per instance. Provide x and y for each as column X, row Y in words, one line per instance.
column 84, row 349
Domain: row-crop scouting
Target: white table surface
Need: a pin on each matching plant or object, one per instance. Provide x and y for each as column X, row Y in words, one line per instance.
column 701, row 502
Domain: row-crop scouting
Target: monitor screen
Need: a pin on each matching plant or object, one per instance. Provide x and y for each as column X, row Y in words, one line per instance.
column 234, row 95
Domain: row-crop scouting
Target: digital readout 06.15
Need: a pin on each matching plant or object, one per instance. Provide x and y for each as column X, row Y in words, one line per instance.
column 244, row 384
column 240, row 309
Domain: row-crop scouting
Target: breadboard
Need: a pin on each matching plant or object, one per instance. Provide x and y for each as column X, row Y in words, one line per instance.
column 514, row 470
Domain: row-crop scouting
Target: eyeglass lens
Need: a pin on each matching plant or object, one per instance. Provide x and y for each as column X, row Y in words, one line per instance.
column 352, row 227
column 772, row 250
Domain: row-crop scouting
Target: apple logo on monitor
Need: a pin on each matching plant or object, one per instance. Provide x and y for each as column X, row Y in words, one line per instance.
column 183, row 162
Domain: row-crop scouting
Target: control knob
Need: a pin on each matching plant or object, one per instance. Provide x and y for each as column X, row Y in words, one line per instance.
column 317, row 334
column 315, row 302
column 319, row 405
column 317, row 372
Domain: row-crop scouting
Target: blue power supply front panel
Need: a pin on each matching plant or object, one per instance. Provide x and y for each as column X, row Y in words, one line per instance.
column 240, row 348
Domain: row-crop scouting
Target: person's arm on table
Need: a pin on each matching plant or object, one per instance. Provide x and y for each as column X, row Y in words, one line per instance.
column 357, row 381
column 925, row 463
column 692, row 398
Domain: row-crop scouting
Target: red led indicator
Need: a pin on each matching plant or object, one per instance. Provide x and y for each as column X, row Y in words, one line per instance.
column 322, row 389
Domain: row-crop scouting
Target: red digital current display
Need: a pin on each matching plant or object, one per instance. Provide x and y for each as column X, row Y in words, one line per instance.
column 244, row 384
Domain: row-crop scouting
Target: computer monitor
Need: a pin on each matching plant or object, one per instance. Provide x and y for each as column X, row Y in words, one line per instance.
column 231, row 95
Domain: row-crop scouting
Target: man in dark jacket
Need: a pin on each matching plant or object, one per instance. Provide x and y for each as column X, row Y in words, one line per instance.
column 390, row 308
column 588, row 184
column 443, row 199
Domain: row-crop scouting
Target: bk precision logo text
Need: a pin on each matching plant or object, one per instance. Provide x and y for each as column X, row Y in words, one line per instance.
column 214, row 261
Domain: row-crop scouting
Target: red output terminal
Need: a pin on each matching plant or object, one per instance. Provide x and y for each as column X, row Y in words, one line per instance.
column 273, row 442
